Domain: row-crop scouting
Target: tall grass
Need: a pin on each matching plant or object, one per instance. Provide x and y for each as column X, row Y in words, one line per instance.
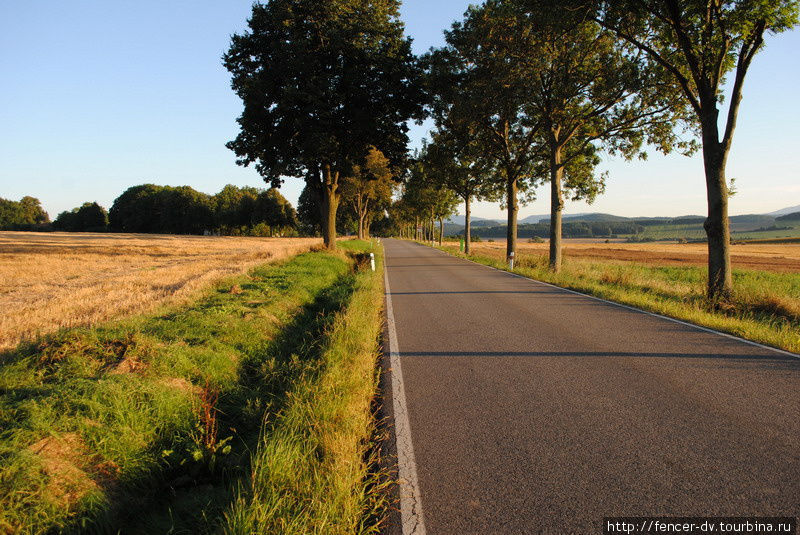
column 148, row 425
column 765, row 307
column 310, row 473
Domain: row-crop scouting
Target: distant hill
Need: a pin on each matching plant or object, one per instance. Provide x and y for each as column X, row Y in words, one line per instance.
column 476, row 221
column 785, row 211
column 794, row 216
column 535, row 218
column 739, row 223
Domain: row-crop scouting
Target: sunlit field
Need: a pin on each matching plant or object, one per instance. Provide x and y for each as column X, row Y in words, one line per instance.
column 54, row 280
column 767, row 257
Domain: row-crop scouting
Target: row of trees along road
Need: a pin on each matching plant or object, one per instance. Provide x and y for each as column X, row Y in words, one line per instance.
column 524, row 92
column 535, row 91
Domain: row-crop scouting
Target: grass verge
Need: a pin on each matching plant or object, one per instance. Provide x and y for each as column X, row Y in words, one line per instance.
column 158, row 423
column 310, row 473
column 765, row 307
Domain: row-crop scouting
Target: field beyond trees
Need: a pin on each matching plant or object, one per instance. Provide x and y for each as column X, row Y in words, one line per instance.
column 53, row 280
column 768, row 257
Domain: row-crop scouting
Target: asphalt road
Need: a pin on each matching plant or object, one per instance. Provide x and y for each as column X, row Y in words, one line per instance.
column 536, row 410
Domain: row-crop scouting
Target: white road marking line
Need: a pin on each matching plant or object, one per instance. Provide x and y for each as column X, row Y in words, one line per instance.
column 410, row 499
column 687, row 324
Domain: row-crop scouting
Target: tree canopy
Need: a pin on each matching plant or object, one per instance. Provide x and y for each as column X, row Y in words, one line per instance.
column 89, row 217
column 478, row 87
column 25, row 214
column 321, row 82
column 698, row 43
column 367, row 189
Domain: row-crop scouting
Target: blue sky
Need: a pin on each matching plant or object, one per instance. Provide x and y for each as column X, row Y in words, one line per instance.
column 98, row 96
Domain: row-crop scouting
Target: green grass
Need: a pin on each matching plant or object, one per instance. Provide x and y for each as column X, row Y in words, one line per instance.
column 765, row 307
column 310, row 473
column 161, row 421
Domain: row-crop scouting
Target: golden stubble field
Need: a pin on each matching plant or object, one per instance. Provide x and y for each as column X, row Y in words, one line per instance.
column 54, row 280
column 767, row 257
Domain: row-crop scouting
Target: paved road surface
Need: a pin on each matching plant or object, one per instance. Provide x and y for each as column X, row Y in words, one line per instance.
column 536, row 410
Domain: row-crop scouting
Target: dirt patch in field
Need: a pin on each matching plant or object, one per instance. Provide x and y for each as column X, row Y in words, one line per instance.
column 62, row 460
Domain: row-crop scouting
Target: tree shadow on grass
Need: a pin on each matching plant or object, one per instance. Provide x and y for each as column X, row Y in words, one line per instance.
column 190, row 498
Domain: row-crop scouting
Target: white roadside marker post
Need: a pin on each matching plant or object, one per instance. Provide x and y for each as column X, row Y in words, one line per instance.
column 511, row 261
column 372, row 260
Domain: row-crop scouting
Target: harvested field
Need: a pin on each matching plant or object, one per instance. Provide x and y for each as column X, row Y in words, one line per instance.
column 767, row 257
column 54, row 280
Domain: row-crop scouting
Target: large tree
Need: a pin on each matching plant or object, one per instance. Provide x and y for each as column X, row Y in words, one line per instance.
column 698, row 43
column 476, row 82
column 591, row 92
column 320, row 83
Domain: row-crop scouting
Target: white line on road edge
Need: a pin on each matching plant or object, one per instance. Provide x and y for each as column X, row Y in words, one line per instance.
column 410, row 499
column 687, row 324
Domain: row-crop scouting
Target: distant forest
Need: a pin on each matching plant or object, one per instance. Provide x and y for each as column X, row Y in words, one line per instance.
column 149, row 208
column 581, row 229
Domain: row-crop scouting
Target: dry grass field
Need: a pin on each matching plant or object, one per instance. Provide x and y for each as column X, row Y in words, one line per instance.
column 768, row 257
column 54, row 280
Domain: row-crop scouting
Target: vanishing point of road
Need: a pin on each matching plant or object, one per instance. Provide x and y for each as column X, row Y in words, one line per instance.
column 525, row 408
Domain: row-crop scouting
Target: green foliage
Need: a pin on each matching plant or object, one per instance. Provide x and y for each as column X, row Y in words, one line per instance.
column 455, row 162
column 321, row 82
column 314, row 470
column 89, row 217
column 234, row 208
column 168, row 210
column 275, row 211
column 308, row 213
column 368, row 189
column 480, row 91
column 161, row 209
column 25, row 214
column 696, row 44
column 423, row 196
column 570, row 229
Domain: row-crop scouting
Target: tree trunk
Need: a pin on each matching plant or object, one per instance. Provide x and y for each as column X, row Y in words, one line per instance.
column 330, row 202
column 513, row 208
column 556, row 207
column 467, row 224
column 720, row 280
column 441, row 230
column 361, row 226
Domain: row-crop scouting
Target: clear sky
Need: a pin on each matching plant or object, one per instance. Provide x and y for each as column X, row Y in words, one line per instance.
column 98, row 96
